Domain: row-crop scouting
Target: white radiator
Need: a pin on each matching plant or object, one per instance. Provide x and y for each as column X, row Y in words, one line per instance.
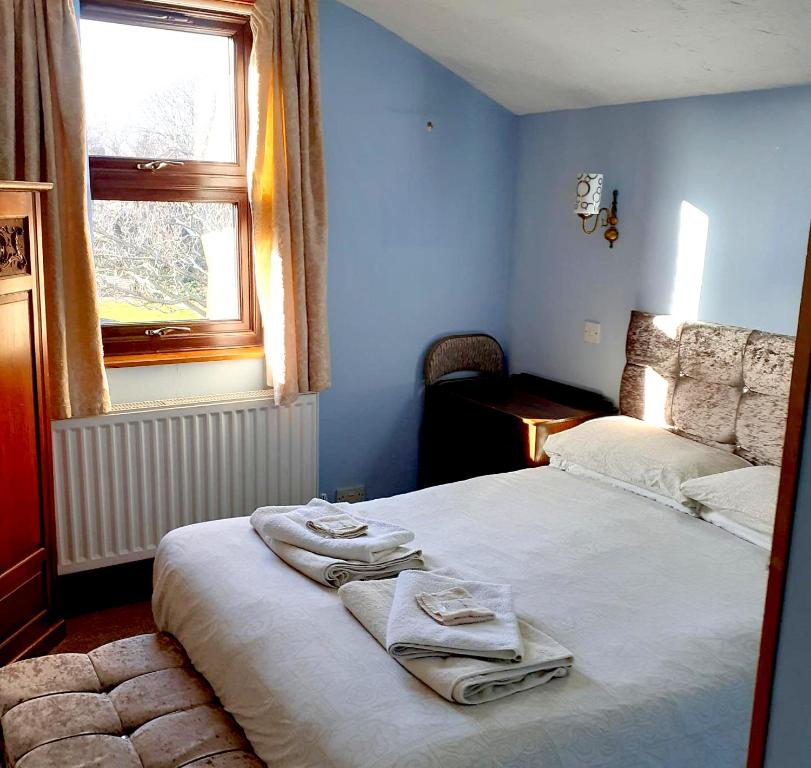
column 125, row 479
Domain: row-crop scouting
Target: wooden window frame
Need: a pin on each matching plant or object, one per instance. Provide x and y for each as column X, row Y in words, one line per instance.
column 117, row 178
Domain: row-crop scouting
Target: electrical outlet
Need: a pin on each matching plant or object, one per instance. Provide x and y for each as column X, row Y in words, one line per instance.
column 352, row 494
column 591, row 332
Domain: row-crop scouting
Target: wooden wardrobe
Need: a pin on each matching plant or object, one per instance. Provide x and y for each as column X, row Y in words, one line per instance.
column 27, row 548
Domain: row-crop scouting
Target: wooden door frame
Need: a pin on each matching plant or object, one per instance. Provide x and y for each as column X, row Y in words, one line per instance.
column 784, row 517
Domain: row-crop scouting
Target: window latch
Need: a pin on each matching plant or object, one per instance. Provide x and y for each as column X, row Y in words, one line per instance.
column 157, row 165
column 167, row 329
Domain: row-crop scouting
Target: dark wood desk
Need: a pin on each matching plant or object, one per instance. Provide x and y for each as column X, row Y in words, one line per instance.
column 486, row 425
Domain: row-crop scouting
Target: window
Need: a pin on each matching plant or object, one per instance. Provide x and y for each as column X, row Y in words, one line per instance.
column 165, row 97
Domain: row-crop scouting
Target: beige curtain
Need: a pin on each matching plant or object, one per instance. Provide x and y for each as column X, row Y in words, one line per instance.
column 288, row 196
column 42, row 138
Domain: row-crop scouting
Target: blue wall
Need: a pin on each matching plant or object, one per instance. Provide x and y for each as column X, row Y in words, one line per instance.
column 470, row 227
column 739, row 158
column 419, row 238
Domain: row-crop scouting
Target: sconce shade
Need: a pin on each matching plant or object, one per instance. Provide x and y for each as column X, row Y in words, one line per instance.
column 589, row 192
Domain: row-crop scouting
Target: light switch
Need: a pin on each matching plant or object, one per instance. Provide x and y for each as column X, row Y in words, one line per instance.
column 591, row 332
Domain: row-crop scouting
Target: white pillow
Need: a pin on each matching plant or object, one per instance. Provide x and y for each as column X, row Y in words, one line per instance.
column 641, row 454
column 575, row 469
column 742, row 502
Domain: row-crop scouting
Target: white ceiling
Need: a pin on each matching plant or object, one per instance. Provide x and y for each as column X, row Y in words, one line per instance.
column 542, row 55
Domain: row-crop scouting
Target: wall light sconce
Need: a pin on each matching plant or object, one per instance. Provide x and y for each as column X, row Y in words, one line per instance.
column 589, row 194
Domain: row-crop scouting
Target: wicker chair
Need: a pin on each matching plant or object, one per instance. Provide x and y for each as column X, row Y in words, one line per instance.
column 463, row 352
column 469, row 352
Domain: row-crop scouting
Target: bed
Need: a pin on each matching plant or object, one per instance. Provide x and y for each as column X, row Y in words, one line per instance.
column 661, row 610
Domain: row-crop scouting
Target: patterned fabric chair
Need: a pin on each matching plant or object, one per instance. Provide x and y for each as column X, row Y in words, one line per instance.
column 133, row 703
column 463, row 352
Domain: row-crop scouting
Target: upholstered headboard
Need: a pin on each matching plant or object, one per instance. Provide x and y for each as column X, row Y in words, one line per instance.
column 718, row 384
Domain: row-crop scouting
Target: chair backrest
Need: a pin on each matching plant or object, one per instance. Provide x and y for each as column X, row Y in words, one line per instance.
column 463, row 352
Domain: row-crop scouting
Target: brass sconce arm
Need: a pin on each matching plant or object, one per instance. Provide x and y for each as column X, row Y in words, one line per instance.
column 600, row 219
column 605, row 218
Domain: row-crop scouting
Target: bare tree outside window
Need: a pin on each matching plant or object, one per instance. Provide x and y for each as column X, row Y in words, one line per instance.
column 152, row 262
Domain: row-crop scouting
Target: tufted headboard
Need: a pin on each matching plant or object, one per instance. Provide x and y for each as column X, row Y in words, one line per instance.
column 717, row 384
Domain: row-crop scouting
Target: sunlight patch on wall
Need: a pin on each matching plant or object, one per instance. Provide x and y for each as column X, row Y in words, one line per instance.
column 693, row 229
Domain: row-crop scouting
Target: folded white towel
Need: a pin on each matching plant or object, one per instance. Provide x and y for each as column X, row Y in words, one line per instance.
column 461, row 679
column 290, row 526
column 338, row 526
column 412, row 634
column 333, row 573
column 453, row 606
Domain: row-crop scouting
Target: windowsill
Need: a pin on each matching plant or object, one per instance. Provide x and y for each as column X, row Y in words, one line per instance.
column 190, row 356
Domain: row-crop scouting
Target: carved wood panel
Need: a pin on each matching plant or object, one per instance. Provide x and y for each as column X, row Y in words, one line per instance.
column 14, row 252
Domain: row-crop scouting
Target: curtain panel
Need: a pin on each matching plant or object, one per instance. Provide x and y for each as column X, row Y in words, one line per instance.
column 42, row 138
column 288, row 196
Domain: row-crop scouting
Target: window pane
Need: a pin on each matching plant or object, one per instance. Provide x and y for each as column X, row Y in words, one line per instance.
column 165, row 262
column 158, row 93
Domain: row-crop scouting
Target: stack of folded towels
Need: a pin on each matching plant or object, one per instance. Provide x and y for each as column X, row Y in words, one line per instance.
column 332, row 546
column 460, row 637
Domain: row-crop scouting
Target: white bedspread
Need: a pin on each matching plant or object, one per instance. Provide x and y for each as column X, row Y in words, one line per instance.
column 661, row 611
